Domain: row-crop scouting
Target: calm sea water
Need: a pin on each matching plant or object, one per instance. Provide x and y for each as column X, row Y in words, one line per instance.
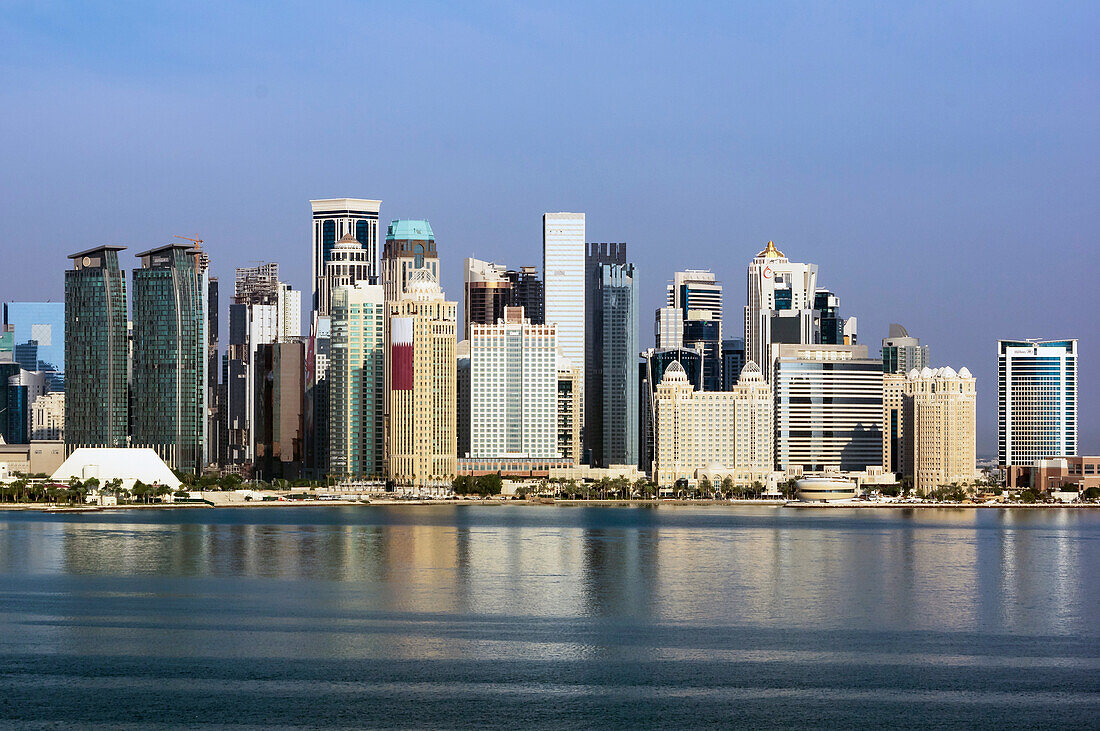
column 528, row 616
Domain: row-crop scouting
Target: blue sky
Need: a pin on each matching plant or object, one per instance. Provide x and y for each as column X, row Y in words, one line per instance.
column 938, row 161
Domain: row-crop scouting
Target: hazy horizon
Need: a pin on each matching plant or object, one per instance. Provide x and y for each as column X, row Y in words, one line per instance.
column 937, row 162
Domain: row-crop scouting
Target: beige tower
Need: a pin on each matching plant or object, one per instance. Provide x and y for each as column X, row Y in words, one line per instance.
column 421, row 446
column 940, row 433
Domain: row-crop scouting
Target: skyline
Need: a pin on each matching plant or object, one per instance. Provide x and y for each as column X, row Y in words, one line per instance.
column 938, row 161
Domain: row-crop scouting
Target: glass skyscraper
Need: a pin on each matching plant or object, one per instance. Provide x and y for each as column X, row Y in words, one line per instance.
column 169, row 359
column 611, row 347
column 38, row 330
column 1036, row 400
column 96, row 403
column 334, row 218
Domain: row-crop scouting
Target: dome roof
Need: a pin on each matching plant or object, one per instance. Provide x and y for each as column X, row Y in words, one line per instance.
column 675, row 373
column 751, row 371
column 914, row 374
column 348, row 242
column 948, row 372
column 926, row 372
column 964, row 372
column 422, row 286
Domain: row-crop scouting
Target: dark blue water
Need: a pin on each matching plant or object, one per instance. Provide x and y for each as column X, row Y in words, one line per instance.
column 466, row 616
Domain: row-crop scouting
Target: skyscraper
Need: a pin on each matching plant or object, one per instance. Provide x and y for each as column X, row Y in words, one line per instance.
column 611, row 347
column 410, row 245
column 421, row 443
column 348, row 262
column 38, row 331
column 333, row 218
column 939, row 431
column 357, row 383
column 96, row 409
column 828, row 408
column 779, row 306
column 169, row 357
column 668, row 327
column 563, row 267
column 1036, row 400
column 513, row 390
column 487, row 292
column 527, row 292
column 651, row 370
column 569, row 411
column 902, row 353
column 831, row 327
column 697, row 294
column 278, row 418
column 733, row 362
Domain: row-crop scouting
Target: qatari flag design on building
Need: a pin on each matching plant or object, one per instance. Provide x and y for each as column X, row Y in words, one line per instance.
column 401, row 353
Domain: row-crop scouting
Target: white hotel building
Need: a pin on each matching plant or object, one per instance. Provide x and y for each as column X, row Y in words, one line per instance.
column 1036, row 400
column 514, row 390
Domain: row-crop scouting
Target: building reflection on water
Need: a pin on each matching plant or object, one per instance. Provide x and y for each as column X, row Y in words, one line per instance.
column 532, row 568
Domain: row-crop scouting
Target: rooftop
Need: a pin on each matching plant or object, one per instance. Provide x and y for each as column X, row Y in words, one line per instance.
column 410, row 228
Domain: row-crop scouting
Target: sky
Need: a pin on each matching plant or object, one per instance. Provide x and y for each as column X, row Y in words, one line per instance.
column 939, row 162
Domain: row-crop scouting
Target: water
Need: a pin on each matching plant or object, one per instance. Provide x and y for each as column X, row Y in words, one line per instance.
column 528, row 616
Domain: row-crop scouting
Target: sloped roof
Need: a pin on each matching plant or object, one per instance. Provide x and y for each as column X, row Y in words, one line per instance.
column 127, row 465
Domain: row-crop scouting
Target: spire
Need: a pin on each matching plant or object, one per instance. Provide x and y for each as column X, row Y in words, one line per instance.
column 770, row 252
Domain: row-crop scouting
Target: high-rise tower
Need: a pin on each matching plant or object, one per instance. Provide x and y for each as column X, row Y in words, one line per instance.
column 96, row 407
column 780, row 306
column 563, row 267
column 410, row 245
column 697, row 295
column 334, row 218
column 1036, row 400
column 169, row 360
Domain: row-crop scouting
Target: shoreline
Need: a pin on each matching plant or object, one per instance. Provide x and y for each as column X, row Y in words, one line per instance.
column 79, row 509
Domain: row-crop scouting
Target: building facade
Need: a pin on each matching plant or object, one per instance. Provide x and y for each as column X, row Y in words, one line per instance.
column 569, row 411
column 527, row 292
column 348, row 263
column 486, row 292
column 38, row 338
column 334, row 218
column 611, row 347
column 902, row 353
column 563, row 267
column 1036, row 400
column 421, row 441
column 357, row 382
column 733, row 362
column 279, row 419
column 716, row 434
column 169, row 357
column 779, row 309
column 514, row 390
column 410, row 247
column 697, row 294
column 96, row 351
column 651, row 370
column 48, row 417
column 828, row 408
column 940, row 432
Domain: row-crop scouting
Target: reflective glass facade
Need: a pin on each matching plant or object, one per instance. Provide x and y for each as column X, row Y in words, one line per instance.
column 38, row 337
column 96, row 402
column 169, row 357
column 1036, row 401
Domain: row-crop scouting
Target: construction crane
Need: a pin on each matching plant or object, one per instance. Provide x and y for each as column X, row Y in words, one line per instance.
column 201, row 258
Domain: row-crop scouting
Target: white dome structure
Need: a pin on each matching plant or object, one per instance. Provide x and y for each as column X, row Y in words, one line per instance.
column 422, row 286
column 927, row 372
column 675, row 373
column 948, row 372
column 914, row 374
column 964, row 372
column 751, row 372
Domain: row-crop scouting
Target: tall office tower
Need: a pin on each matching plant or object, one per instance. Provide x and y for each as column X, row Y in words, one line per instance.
column 651, row 369
column 334, row 218
column 96, row 351
column 215, row 409
column 289, row 302
column 901, row 353
column 356, row 381
column 611, row 347
column 318, row 349
column 1036, row 400
column 780, row 306
column 712, row 434
column 255, row 318
column 410, row 246
column 527, row 292
column 894, row 389
column 668, row 328
column 278, row 421
column 513, row 390
column 939, row 431
column 831, row 327
column 487, row 292
column 733, row 362
column 828, row 408
column 569, row 410
column 563, row 268
column 169, row 357
column 348, row 262
column 38, row 338
column 462, row 398
column 698, row 296
column 20, row 391
column 421, row 443
column 48, row 417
